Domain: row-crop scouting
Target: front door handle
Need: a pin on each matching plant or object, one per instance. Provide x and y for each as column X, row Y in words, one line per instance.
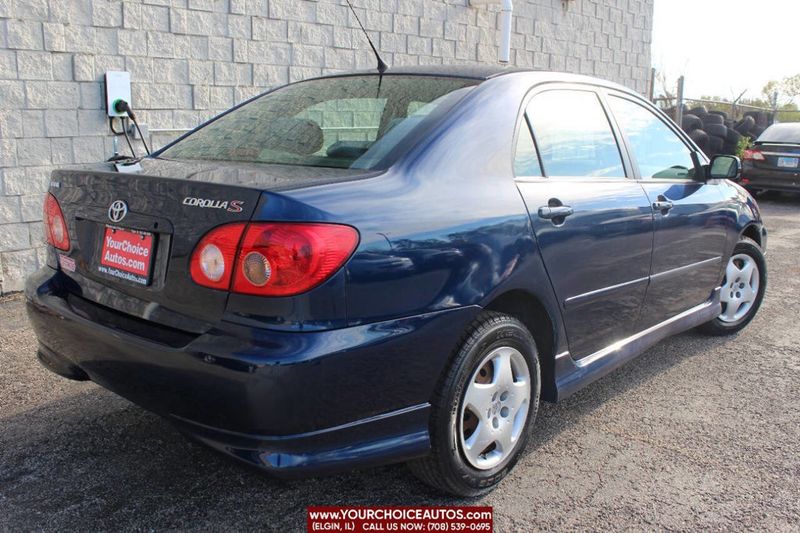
column 662, row 204
column 551, row 212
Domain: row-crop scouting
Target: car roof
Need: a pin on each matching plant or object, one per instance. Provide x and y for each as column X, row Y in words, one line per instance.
column 478, row 72
column 487, row 72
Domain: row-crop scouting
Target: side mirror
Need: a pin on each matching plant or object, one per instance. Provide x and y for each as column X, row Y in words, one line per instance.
column 724, row 167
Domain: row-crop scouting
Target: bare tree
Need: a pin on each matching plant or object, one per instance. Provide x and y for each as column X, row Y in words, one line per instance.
column 668, row 88
column 783, row 92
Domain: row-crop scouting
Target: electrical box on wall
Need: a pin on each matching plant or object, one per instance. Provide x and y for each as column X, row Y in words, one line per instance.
column 118, row 87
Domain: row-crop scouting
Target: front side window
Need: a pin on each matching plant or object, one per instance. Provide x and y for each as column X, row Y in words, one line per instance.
column 344, row 122
column 573, row 135
column 658, row 151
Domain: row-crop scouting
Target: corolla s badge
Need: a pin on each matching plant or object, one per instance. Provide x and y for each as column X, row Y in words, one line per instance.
column 232, row 206
column 117, row 211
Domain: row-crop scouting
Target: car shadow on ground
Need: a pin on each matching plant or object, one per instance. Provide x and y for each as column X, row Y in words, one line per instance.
column 555, row 418
column 778, row 198
column 92, row 458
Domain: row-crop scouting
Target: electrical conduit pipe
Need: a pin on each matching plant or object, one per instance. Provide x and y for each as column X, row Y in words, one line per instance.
column 506, row 15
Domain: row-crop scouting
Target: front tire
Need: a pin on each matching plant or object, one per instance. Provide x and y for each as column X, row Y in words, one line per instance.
column 483, row 409
column 742, row 289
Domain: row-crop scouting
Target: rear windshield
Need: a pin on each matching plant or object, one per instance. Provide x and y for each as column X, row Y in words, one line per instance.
column 361, row 122
column 781, row 133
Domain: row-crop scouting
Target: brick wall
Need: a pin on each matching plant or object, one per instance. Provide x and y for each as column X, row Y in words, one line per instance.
column 190, row 59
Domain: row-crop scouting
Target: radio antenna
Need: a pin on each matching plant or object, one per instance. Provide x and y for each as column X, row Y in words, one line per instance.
column 381, row 65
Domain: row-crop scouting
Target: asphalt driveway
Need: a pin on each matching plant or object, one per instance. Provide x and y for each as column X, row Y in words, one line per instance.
column 698, row 433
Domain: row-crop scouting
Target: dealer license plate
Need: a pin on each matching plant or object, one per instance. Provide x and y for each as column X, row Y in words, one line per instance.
column 787, row 162
column 127, row 254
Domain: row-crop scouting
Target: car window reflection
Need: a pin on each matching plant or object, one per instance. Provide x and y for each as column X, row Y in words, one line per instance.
column 574, row 135
column 656, row 148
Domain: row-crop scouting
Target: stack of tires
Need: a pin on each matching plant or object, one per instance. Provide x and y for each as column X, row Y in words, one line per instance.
column 760, row 121
column 716, row 133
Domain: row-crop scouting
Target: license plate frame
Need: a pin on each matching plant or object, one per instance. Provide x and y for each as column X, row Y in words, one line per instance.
column 127, row 254
column 788, row 162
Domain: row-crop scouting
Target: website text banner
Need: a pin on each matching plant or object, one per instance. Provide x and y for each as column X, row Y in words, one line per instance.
column 423, row 519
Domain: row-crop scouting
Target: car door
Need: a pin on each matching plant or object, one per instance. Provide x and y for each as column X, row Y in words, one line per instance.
column 593, row 224
column 690, row 234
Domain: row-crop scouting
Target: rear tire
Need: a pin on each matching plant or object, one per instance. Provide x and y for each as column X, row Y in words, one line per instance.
column 479, row 379
column 742, row 289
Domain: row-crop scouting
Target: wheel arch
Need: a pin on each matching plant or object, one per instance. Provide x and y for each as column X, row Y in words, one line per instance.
column 529, row 310
column 752, row 231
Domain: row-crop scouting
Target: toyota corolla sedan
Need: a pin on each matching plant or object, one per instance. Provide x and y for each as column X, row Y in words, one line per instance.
column 364, row 269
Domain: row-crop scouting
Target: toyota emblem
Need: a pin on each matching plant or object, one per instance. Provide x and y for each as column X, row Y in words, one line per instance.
column 117, row 211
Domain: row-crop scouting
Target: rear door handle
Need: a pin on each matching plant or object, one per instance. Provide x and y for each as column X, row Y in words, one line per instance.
column 561, row 211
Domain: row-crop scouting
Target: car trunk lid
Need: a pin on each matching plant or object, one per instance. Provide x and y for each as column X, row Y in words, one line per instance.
column 169, row 206
column 778, row 156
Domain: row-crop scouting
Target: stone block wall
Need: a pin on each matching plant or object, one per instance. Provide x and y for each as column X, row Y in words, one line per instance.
column 190, row 59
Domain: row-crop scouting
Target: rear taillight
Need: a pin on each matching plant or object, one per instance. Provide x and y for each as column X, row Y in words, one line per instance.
column 55, row 226
column 271, row 258
column 753, row 155
column 214, row 256
column 283, row 259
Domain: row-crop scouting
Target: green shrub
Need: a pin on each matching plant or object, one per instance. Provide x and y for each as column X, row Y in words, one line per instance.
column 744, row 144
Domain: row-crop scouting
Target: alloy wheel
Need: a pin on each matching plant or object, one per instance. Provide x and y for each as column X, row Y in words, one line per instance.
column 739, row 288
column 495, row 408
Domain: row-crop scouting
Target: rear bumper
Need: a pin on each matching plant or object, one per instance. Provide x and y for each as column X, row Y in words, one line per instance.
column 291, row 403
column 773, row 180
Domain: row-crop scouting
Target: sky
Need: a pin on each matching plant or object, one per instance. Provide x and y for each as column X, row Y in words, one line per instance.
column 723, row 47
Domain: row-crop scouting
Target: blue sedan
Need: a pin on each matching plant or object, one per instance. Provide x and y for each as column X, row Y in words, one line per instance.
column 371, row 268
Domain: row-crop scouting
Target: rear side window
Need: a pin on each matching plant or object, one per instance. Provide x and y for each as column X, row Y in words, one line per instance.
column 658, row 151
column 526, row 160
column 788, row 133
column 573, row 135
column 345, row 122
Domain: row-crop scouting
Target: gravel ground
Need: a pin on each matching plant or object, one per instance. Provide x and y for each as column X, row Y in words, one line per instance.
column 698, row 433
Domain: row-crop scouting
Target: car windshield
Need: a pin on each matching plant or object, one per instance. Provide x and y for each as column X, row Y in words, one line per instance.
column 363, row 122
column 781, row 133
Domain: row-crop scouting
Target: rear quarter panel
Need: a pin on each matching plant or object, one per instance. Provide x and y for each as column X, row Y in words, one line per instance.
column 445, row 227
